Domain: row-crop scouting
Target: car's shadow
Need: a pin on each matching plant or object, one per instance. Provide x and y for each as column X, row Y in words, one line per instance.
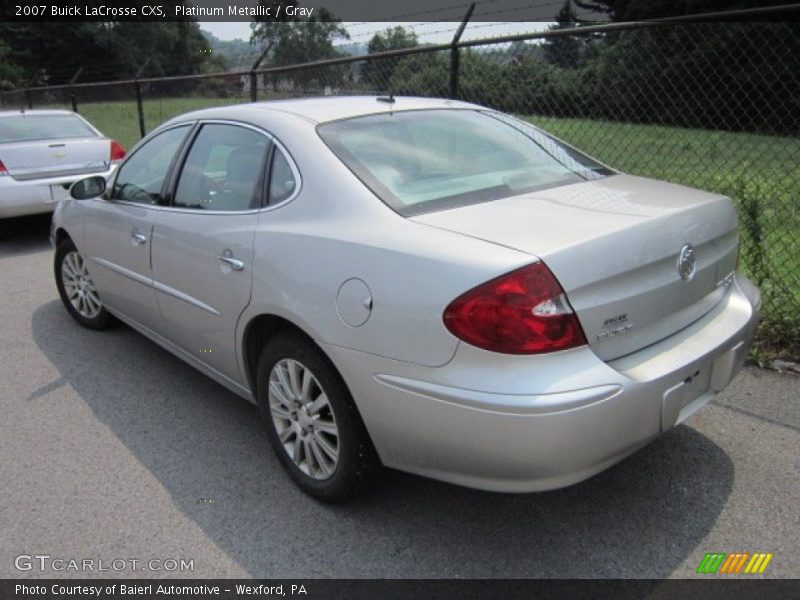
column 24, row 235
column 638, row 519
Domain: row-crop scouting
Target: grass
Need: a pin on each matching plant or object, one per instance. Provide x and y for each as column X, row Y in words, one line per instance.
column 761, row 173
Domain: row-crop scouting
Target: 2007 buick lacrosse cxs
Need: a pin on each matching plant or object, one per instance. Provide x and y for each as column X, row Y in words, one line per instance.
column 424, row 284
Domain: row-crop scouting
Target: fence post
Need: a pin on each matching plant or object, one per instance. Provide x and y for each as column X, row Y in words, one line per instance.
column 454, row 55
column 72, row 89
column 137, row 85
column 139, row 107
column 254, row 75
column 29, row 98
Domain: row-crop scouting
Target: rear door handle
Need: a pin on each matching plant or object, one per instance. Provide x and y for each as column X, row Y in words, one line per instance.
column 233, row 263
column 138, row 238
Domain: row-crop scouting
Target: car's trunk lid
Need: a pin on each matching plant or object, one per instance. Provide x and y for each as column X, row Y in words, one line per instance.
column 614, row 244
column 55, row 158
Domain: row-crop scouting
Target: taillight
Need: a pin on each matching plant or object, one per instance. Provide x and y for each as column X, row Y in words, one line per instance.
column 522, row 312
column 117, row 151
column 3, row 170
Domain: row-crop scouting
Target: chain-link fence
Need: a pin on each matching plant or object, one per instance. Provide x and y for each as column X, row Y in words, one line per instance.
column 711, row 105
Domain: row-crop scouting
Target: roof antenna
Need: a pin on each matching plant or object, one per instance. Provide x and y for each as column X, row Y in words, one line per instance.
column 388, row 99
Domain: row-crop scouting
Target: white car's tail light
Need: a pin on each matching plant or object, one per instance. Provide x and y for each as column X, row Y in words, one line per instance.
column 522, row 312
column 117, row 151
column 3, row 170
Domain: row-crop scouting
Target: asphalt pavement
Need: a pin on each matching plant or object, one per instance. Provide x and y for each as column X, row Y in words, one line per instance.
column 113, row 449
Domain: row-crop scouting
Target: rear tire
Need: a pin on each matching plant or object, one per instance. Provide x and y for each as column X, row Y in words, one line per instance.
column 312, row 422
column 76, row 288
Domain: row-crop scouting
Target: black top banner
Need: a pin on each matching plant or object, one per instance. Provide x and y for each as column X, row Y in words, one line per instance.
column 344, row 10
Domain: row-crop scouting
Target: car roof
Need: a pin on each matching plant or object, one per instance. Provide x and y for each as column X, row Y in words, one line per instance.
column 333, row 108
column 329, row 108
column 35, row 112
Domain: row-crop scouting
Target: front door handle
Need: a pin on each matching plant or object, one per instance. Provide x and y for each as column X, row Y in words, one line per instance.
column 138, row 238
column 233, row 263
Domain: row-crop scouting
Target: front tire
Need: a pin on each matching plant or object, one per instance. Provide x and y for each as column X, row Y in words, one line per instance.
column 313, row 424
column 76, row 288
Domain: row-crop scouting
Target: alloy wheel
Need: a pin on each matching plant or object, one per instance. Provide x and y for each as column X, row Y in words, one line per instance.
column 79, row 286
column 303, row 419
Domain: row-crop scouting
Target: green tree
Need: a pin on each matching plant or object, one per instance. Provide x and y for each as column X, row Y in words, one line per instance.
column 268, row 33
column 307, row 41
column 564, row 51
column 10, row 73
column 169, row 48
column 230, row 54
column 425, row 74
column 378, row 73
column 293, row 40
column 53, row 52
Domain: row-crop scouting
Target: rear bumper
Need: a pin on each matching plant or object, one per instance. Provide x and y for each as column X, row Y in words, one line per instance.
column 517, row 424
column 19, row 198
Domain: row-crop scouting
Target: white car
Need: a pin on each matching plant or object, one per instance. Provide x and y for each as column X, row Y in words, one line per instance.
column 426, row 284
column 42, row 152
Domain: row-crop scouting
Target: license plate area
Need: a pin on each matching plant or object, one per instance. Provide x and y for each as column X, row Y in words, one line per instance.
column 687, row 397
column 58, row 193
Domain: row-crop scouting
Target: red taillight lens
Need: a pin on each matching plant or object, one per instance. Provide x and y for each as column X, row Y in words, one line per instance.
column 3, row 170
column 117, row 151
column 522, row 312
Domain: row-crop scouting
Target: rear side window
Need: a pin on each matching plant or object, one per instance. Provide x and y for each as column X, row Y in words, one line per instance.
column 141, row 177
column 424, row 160
column 31, row 127
column 224, row 170
column 282, row 183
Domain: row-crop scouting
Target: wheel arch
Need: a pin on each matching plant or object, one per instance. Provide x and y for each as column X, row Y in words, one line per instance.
column 258, row 331
column 62, row 234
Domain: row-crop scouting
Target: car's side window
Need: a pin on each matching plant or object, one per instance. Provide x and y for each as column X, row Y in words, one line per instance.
column 224, row 169
column 141, row 177
column 282, row 182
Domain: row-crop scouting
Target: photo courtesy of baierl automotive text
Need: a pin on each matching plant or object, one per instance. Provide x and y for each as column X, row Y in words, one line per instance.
column 297, row 293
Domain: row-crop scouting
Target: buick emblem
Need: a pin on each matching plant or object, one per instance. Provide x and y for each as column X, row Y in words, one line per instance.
column 687, row 263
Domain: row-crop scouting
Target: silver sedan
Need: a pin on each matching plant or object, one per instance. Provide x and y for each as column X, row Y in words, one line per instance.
column 42, row 152
column 423, row 284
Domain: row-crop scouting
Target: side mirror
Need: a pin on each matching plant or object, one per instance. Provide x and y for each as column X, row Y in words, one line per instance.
column 91, row 187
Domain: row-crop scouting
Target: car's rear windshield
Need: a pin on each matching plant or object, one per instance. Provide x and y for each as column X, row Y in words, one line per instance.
column 30, row 127
column 426, row 160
